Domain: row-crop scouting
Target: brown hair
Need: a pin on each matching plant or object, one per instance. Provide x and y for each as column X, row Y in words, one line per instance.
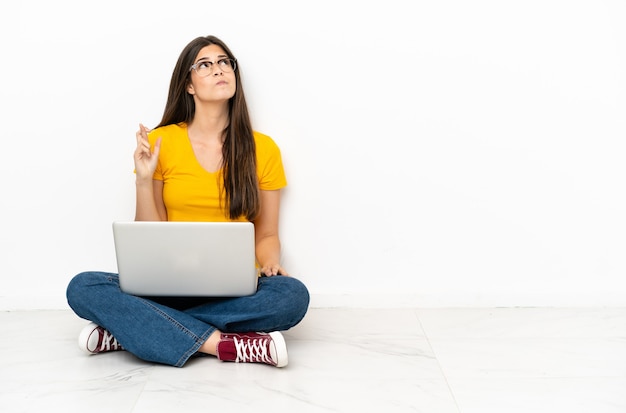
column 240, row 182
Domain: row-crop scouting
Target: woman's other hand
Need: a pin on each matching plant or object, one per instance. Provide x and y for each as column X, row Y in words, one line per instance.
column 271, row 270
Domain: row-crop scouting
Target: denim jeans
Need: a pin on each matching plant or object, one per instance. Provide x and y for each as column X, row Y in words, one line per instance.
column 170, row 330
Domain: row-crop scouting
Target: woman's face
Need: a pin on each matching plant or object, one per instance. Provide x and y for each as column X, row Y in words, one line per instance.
column 213, row 76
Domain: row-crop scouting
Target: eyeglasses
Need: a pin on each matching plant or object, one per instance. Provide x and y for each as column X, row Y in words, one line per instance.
column 205, row 67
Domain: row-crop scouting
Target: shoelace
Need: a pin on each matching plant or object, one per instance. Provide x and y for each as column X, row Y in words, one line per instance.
column 109, row 342
column 252, row 350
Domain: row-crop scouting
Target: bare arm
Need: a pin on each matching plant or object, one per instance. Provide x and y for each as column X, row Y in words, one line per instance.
column 149, row 192
column 266, row 234
column 149, row 202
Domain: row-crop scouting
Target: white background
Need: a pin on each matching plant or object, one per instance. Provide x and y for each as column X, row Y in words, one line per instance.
column 439, row 153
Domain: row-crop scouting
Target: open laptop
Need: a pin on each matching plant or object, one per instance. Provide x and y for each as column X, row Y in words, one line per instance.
column 196, row 259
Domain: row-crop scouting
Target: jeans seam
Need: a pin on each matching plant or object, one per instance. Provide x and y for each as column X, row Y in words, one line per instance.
column 199, row 340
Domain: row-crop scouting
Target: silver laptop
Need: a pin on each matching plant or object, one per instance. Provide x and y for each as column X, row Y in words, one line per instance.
column 199, row 259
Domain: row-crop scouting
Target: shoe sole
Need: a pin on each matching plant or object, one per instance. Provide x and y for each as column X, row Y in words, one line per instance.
column 83, row 338
column 282, row 357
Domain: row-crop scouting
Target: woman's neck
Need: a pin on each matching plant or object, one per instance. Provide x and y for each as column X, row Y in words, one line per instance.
column 208, row 125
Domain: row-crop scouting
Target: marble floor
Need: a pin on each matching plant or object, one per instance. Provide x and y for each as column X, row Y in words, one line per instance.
column 500, row 360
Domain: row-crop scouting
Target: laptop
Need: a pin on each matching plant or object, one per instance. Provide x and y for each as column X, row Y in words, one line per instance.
column 194, row 259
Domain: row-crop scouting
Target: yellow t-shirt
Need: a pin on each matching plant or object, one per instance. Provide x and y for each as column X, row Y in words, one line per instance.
column 190, row 192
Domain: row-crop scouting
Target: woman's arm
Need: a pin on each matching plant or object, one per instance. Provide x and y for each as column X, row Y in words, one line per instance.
column 149, row 201
column 149, row 196
column 266, row 234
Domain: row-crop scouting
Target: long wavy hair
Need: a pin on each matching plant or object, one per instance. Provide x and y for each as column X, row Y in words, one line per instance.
column 239, row 181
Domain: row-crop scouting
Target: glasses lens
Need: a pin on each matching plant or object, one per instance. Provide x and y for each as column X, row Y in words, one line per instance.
column 227, row 65
column 205, row 68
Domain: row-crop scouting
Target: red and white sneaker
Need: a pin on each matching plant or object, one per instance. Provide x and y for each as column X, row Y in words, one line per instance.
column 94, row 339
column 253, row 348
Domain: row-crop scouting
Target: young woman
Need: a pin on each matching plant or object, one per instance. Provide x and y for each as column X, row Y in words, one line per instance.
column 203, row 162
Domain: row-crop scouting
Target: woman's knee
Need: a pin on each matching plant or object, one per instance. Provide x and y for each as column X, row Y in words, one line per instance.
column 81, row 286
column 295, row 295
column 299, row 290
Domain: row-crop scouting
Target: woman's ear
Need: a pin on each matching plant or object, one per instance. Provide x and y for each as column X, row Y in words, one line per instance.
column 190, row 89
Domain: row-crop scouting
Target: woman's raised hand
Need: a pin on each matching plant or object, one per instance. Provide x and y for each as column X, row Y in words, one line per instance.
column 145, row 159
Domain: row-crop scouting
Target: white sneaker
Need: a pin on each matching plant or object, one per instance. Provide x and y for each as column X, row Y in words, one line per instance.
column 94, row 339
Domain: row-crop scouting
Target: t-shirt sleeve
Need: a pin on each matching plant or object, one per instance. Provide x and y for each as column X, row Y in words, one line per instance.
column 270, row 168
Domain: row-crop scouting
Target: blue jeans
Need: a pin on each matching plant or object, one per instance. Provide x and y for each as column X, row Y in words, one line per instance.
column 170, row 330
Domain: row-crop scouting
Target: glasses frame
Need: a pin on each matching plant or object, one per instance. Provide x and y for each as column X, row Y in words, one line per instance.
column 233, row 65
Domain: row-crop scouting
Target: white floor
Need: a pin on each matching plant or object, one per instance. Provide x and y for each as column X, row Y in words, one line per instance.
column 341, row 360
